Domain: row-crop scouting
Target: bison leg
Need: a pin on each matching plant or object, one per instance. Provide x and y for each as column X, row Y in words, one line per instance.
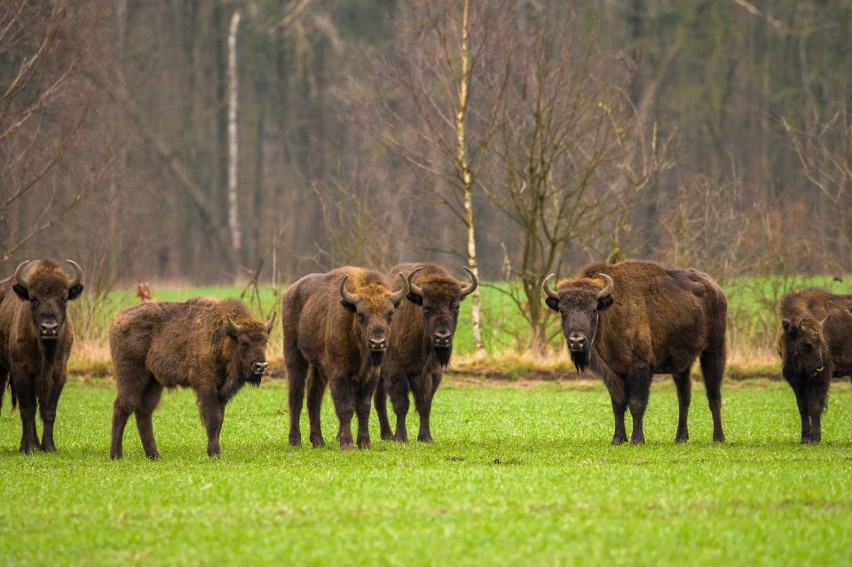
column 817, row 395
column 297, row 371
column 713, row 368
column 362, row 410
column 615, row 386
column 120, row 416
column 343, row 395
column 212, row 415
column 683, row 383
column 47, row 409
column 423, row 391
column 638, row 389
column 150, row 400
column 27, row 404
column 802, row 402
column 380, row 400
column 399, row 399
column 316, row 390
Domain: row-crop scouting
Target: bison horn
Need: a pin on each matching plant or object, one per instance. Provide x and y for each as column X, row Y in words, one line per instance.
column 474, row 282
column 609, row 285
column 412, row 287
column 78, row 274
column 822, row 323
column 234, row 327
column 547, row 289
column 270, row 322
column 399, row 295
column 19, row 274
column 351, row 298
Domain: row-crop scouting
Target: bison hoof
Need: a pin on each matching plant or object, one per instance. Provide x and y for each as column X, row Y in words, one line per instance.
column 719, row 437
column 28, row 450
column 48, row 448
column 387, row 435
column 295, row 440
column 347, row 446
column 401, row 437
column 155, row 456
column 115, row 455
column 618, row 439
column 364, row 444
column 424, row 438
column 637, row 440
column 317, row 441
column 682, row 438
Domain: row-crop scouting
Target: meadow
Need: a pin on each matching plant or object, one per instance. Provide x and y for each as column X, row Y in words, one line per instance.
column 519, row 473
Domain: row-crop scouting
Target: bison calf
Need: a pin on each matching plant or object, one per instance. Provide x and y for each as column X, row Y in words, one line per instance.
column 213, row 346
column 336, row 328
column 815, row 344
column 35, row 342
column 421, row 343
column 632, row 320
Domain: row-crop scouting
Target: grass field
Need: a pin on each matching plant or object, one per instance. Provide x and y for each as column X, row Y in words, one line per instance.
column 519, row 473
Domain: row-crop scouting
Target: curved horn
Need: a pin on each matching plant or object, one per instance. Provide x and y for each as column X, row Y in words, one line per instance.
column 412, row 287
column 474, row 282
column 234, row 327
column 547, row 289
column 608, row 289
column 270, row 322
column 351, row 298
column 78, row 274
column 822, row 323
column 399, row 295
column 19, row 274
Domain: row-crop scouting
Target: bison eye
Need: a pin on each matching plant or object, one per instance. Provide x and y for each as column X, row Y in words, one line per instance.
column 426, row 310
column 808, row 346
column 360, row 317
column 390, row 316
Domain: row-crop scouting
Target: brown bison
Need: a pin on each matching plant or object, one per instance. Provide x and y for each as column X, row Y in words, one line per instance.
column 336, row 328
column 35, row 342
column 213, row 346
column 815, row 344
column 632, row 320
column 421, row 342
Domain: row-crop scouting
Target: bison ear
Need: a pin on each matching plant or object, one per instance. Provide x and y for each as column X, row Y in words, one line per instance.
column 348, row 306
column 605, row 302
column 229, row 330
column 414, row 298
column 21, row 292
column 553, row 303
column 75, row 291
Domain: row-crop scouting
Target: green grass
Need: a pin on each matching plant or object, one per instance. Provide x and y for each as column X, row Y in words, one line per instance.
column 520, row 474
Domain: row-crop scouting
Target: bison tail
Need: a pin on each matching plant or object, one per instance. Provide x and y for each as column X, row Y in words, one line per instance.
column 11, row 391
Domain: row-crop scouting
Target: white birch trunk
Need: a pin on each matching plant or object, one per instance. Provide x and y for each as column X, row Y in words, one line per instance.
column 467, row 183
column 233, row 147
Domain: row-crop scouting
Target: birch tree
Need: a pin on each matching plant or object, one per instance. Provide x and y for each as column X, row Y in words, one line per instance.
column 233, row 145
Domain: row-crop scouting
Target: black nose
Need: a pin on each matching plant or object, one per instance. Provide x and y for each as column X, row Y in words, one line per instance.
column 49, row 329
column 259, row 367
column 378, row 344
column 442, row 338
column 576, row 341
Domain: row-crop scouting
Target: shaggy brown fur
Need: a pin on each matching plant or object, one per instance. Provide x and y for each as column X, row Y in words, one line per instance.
column 193, row 345
column 328, row 340
column 36, row 336
column 815, row 344
column 421, row 342
column 655, row 321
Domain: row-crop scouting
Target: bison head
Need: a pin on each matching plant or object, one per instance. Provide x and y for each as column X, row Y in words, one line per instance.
column 373, row 306
column 578, row 302
column 48, row 290
column 803, row 347
column 250, row 339
column 440, row 298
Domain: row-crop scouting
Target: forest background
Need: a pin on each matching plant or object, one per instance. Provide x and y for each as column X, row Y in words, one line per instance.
column 194, row 142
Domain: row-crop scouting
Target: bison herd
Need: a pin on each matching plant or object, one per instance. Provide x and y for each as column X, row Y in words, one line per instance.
column 369, row 336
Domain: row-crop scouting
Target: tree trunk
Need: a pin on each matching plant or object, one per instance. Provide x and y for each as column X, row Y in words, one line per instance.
column 233, row 145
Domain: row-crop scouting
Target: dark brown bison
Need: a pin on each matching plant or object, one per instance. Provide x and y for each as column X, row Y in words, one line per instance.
column 213, row 346
column 35, row 342
column 336, row 328
column 421, row 342
column 632, row 320
column 815, row 344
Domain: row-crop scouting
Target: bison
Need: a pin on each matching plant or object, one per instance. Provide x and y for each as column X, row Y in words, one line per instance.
column 213, row 346
column 36, row 335
column 815, row 344
column 421, row 342
column 632, row 320
column 336, row 328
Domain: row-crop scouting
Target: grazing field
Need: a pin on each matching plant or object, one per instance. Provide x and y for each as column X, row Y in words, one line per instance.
column 519, row 473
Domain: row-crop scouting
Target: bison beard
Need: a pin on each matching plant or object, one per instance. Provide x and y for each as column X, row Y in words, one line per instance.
column 376, row 357
column 253, row 379
column 443, row 355
column 580, row 358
